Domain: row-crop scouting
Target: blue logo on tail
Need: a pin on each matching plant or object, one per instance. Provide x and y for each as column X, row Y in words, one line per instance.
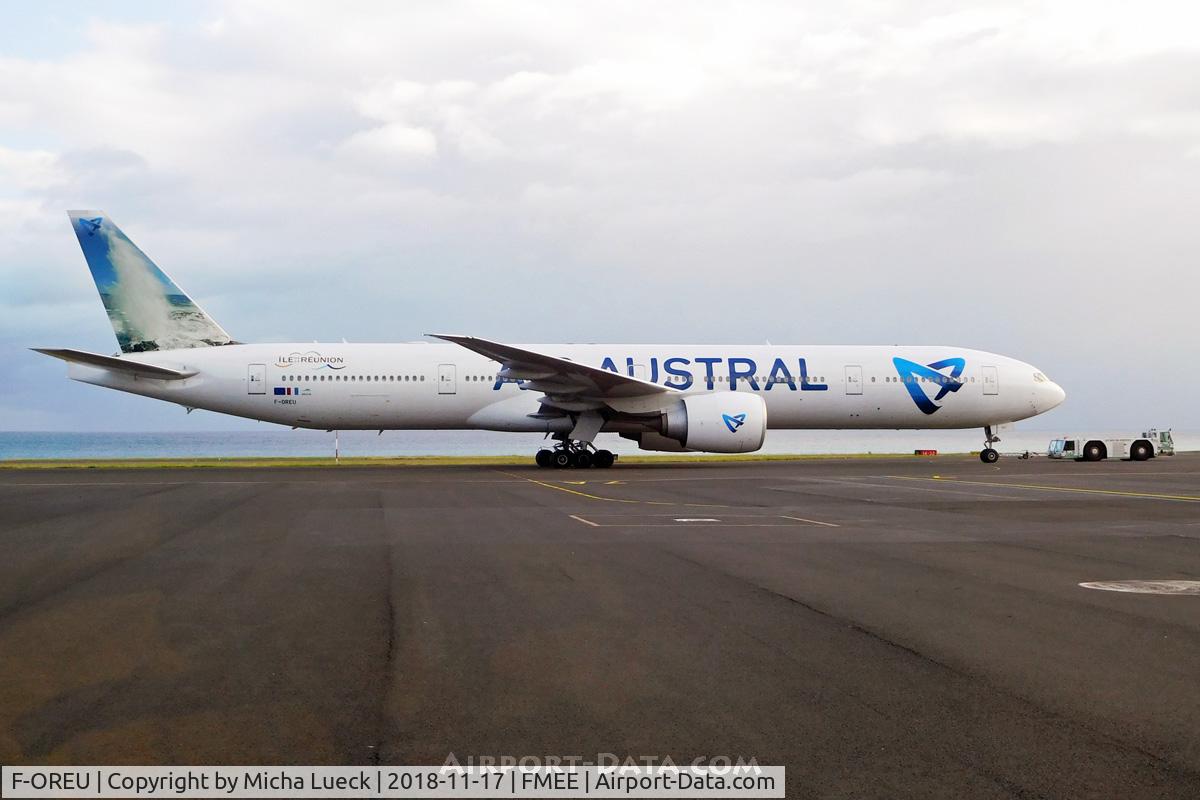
column 914, row 375
column 92, row 224
column 734, row 422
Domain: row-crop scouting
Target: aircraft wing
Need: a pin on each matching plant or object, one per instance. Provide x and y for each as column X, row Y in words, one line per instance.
column 113, row 363
column 567, row 384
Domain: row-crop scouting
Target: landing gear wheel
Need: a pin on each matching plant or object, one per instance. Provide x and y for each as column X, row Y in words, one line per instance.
column 604, row 459
column 583, row 459
column 989, row 456
column 561, row 459
column 543, row 458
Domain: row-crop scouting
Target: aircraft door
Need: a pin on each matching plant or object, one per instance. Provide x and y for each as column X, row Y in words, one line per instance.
column 854, row 380
column 991, row 380
column 256, row 379
column 446, row 379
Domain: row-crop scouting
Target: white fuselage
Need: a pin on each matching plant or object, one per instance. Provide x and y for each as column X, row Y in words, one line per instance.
column 444, row 386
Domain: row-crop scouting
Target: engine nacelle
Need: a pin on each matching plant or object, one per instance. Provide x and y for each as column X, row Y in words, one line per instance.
column 649, row 440
column 726, row 422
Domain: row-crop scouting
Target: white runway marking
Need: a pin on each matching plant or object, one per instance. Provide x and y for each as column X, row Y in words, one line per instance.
column 672, row 521
column 811, row 521
column 1146, row 587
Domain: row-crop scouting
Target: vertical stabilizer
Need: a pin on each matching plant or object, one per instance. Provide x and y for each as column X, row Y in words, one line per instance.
column 147, row 309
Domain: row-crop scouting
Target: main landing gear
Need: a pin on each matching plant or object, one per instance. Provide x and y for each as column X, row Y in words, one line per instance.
column 575, row 454
column 989, row 455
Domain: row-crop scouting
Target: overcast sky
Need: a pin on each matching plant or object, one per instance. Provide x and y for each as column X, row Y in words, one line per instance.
column 1020, row 177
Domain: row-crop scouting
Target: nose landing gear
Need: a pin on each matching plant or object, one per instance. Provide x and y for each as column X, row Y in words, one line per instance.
column 581, row 455
column 989, row 455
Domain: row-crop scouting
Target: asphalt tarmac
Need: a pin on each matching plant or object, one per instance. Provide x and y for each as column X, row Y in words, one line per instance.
column 881, row 627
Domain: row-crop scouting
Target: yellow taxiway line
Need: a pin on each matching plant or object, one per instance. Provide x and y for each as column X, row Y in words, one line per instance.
column 1178, row 498
column 590, row 496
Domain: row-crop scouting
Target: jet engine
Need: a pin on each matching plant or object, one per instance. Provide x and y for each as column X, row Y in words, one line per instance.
column 727, row 422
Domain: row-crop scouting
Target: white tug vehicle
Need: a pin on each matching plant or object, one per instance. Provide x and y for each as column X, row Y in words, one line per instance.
column 1097, row 448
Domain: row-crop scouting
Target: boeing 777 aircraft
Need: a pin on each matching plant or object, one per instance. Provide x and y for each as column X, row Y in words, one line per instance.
column 718, row 399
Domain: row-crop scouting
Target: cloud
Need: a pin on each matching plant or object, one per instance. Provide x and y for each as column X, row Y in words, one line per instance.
column 394, row 142
column 846, row 173
column 30, row 170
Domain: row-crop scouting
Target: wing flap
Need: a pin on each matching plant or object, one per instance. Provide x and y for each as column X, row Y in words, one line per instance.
column 115, row 364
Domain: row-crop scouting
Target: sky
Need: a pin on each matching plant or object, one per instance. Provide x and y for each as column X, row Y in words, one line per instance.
column 1016, row 177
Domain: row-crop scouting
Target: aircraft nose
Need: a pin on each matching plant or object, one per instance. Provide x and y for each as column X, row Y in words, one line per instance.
column 1052, row 396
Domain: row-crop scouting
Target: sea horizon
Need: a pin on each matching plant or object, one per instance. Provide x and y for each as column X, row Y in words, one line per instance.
column 22, row 445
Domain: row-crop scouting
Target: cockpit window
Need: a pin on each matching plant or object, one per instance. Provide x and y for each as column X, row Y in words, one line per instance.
column 1040, row 378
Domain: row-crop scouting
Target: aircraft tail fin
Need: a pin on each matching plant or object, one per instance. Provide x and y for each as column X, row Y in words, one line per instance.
column 147, row 309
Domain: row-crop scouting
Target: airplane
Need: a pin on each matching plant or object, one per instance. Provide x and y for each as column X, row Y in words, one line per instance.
column 671, row 398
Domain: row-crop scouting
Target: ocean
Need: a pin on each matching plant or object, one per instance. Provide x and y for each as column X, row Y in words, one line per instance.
column 285, row 443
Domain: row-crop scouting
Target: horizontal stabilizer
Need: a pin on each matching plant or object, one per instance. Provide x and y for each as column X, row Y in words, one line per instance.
column 115, row 364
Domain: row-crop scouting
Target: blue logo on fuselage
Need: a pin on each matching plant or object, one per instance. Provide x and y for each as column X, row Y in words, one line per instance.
column 912, row 375
column 734, row 422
